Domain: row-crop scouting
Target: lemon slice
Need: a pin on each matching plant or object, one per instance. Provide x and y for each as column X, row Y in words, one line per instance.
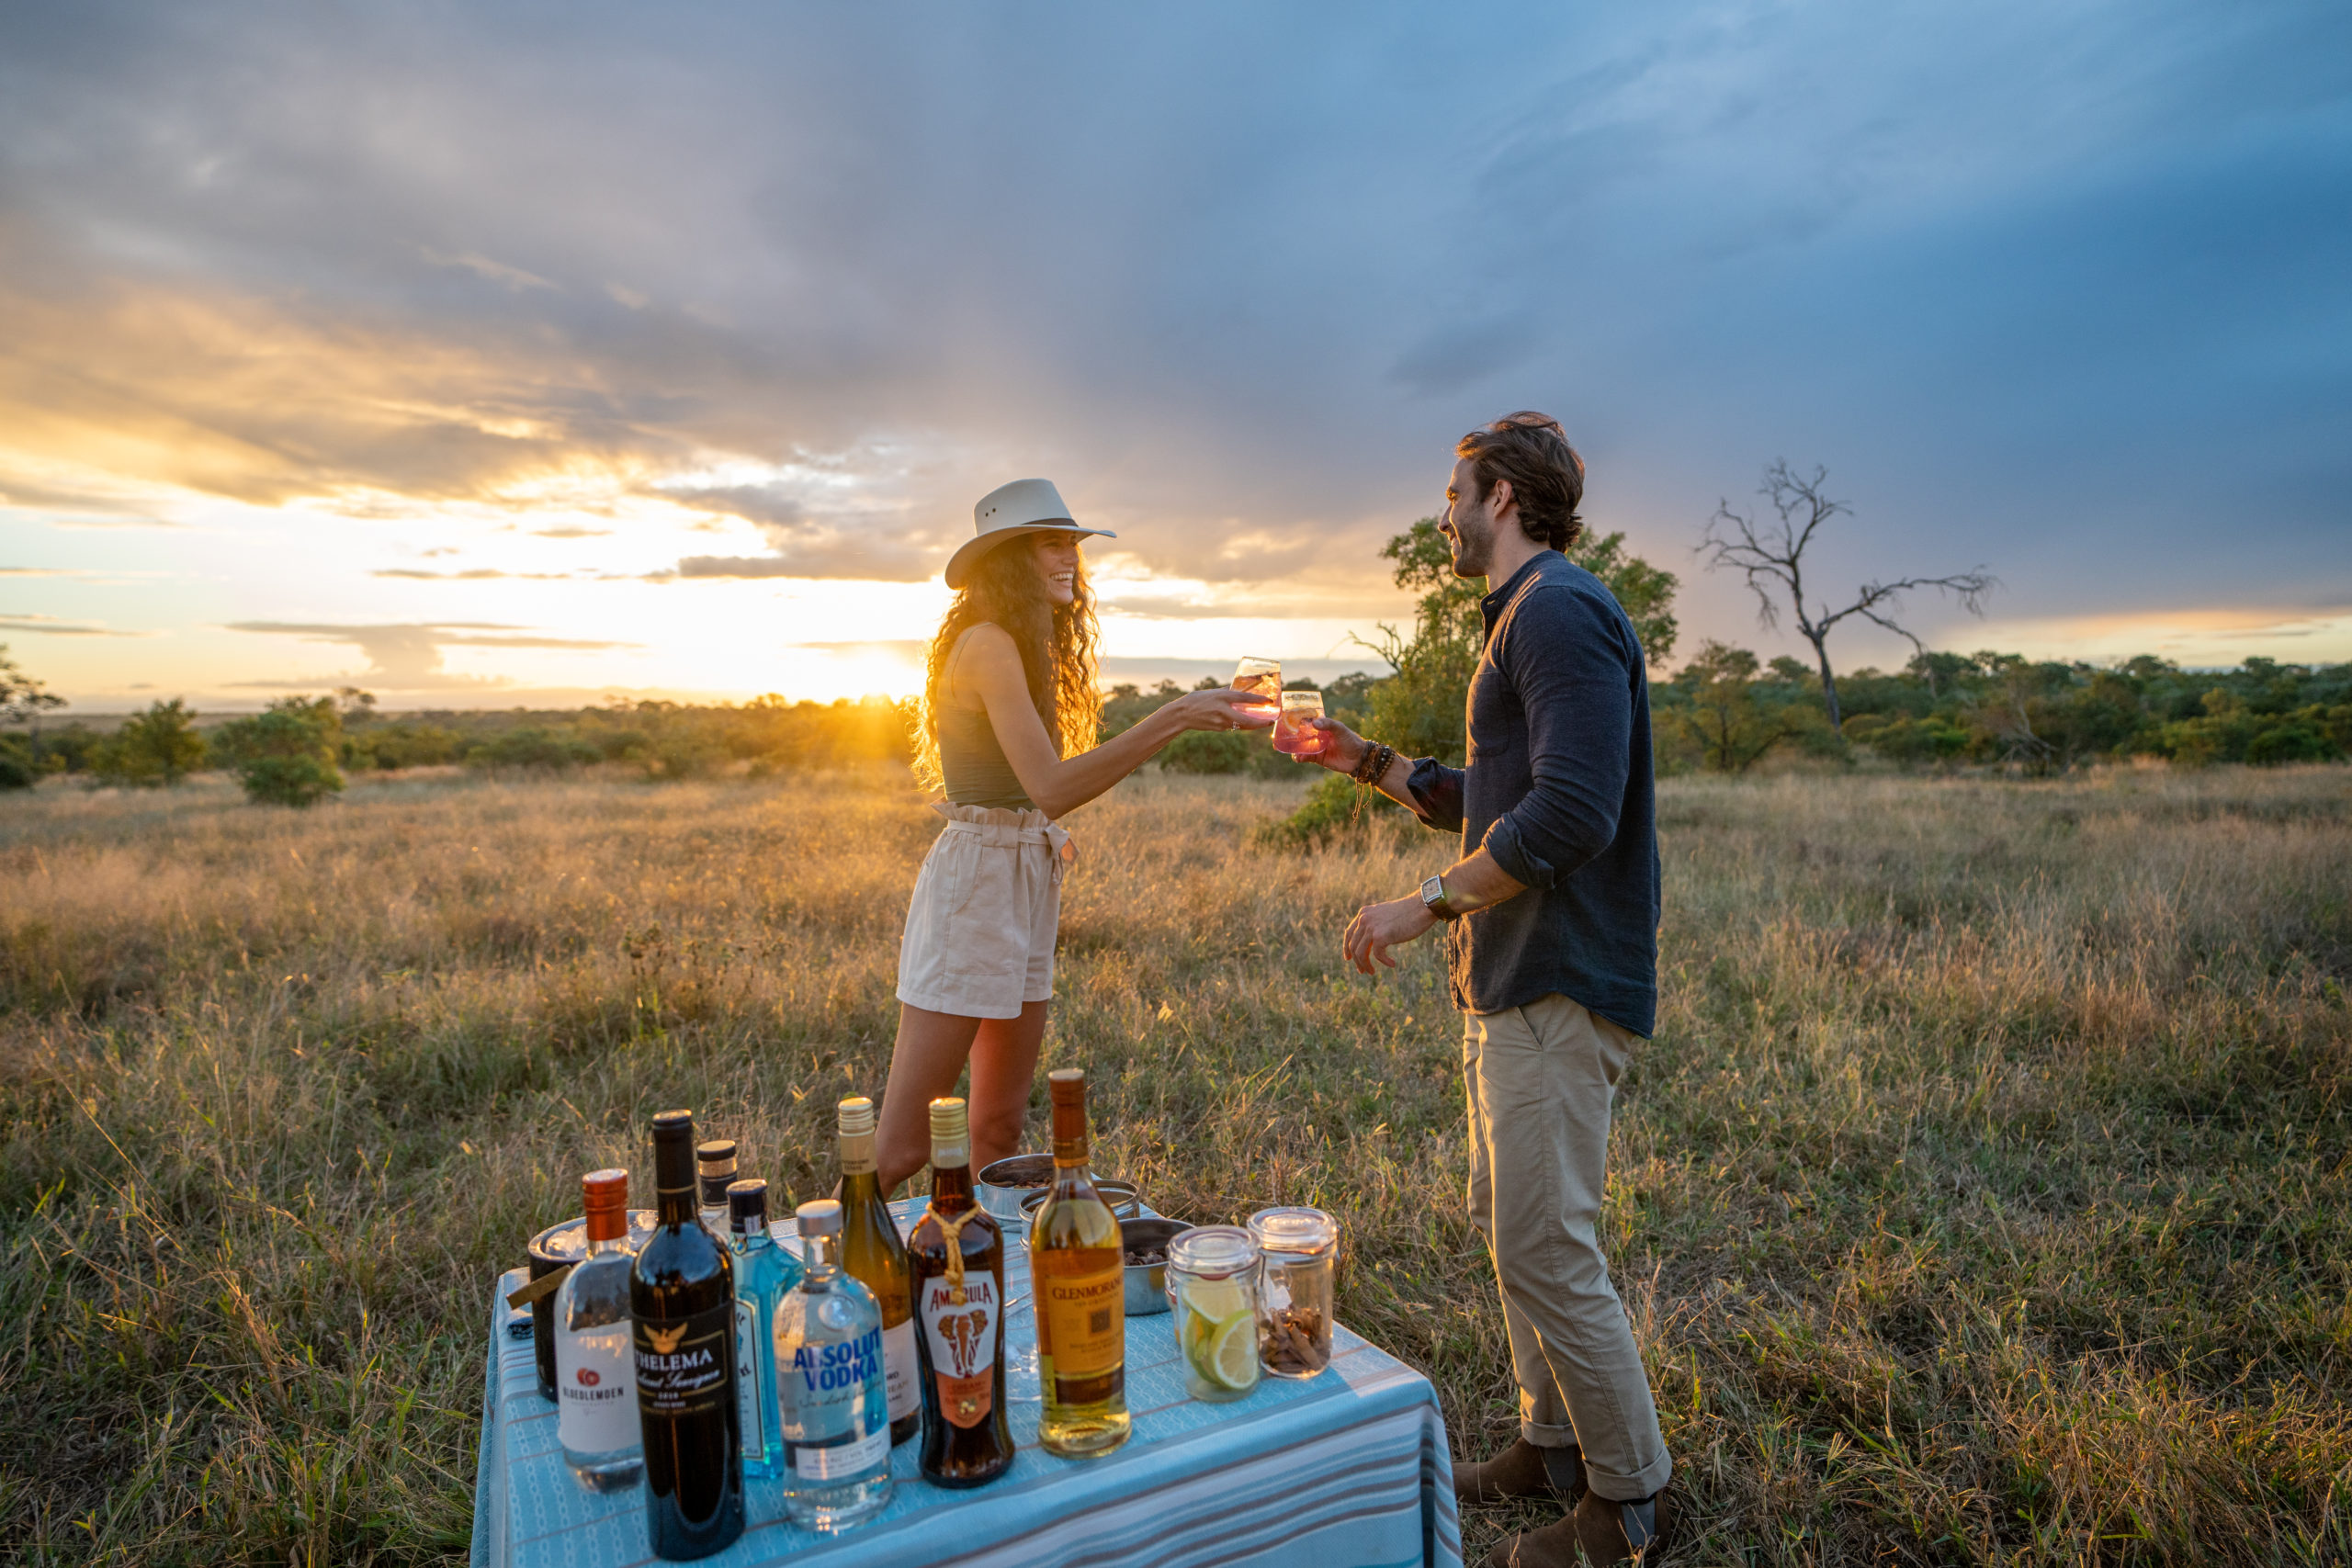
column 1232, row 1353
column 1214, row 1302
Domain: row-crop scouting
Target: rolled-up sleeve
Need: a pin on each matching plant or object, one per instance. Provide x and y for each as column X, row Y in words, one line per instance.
column 1574, row 678
column 1436, row 790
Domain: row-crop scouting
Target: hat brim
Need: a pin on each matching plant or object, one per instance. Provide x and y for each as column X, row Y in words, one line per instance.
column 960, row 564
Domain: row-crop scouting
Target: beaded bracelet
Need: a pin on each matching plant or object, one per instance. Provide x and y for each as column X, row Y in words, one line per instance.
column 1373, row 765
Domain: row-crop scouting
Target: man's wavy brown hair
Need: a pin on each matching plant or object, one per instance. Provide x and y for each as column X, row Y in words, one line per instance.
column 1546, row 476
column 1057, row 644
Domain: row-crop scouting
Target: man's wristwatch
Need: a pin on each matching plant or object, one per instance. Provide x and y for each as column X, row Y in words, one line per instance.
column 1433, row 900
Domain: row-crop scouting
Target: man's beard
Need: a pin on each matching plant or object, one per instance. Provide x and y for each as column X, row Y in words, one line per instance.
column 1474, row 551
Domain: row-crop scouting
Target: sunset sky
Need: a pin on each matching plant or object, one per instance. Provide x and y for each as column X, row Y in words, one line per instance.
column 482, row 353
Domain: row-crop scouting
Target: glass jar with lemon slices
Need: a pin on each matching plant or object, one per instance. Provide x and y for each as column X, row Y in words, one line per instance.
column 1212, row 1286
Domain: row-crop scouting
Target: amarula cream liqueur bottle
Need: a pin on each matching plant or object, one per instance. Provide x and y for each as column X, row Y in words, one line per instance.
column 957, row 1259
column 874, row 1256
column 682, row 1301
column 1078, row 1291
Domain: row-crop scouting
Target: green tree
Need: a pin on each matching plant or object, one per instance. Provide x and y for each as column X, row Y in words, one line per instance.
column 1719, row 713
column 159, row 746
column 1419, row 710
column 22, row 701
column 286, row 755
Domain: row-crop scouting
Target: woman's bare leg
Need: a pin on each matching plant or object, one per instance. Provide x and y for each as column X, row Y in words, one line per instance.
column 925, row 1062
column 1004, row 1065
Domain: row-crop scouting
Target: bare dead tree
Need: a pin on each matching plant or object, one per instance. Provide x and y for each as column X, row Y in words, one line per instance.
column 1770, row 555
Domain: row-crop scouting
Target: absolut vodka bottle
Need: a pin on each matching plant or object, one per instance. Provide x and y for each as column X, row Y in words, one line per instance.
column 831, row 1392
column 763, row 1273
column 595, row 1373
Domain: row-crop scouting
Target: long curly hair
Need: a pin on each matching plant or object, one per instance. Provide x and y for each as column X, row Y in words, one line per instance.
column 1057, row 644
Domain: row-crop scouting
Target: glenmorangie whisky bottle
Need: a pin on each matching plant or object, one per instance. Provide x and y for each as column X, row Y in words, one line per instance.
column 681, row 1299
column 957, row 1259
column 1078, row 1289
column 874, row 1256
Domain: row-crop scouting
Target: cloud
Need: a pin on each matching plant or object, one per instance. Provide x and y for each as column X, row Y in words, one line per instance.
column 482, row 266
column 571, row 533
column 50, row 625
column 407, row 657
column 438, row 259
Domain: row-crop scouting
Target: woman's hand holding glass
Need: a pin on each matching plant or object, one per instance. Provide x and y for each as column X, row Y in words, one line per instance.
column 1220, row 707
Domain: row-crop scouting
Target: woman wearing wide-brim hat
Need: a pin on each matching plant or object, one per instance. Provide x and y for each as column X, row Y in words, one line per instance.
column 1010, row 711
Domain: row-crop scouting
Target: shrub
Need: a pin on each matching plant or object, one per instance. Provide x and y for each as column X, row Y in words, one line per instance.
column 157, row 746
column 391, row 747
column 18, row 769
column 1208, row 751
column 1336, row 804
column 285, row 756
column 533, row 746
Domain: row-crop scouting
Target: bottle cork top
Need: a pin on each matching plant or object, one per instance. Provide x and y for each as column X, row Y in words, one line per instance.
column 606, row 1194
column 747, row 1199
column 855, row 1117
column 820, row 1216
column 716, row 1154
column 605, row 1188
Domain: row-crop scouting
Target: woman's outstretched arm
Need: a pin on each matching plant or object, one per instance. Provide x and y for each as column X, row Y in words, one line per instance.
column 990, row 669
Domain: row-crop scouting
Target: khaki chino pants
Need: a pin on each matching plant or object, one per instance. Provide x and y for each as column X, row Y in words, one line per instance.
column 1540, row 1079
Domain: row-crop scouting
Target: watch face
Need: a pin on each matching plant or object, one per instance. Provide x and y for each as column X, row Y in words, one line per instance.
column 1433, row 889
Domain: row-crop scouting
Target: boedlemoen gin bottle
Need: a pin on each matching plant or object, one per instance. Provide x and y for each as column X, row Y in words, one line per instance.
column 763, row 1272
column 830, row 1395
column 595, row 1376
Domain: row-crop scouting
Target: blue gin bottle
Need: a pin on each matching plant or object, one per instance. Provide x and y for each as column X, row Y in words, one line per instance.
column 765, row 1273
column 832, row 1393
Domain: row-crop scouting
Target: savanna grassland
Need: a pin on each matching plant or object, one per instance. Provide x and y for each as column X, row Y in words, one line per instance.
column 1982, row 1198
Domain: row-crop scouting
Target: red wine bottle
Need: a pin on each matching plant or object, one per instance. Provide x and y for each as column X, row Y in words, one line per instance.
column 681, row 1304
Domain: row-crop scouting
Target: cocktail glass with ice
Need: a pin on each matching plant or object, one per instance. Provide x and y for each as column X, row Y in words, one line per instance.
column 1262, row 677
column 1293, row 735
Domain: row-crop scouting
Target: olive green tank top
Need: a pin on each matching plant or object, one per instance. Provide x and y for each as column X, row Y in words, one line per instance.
column 969, row 758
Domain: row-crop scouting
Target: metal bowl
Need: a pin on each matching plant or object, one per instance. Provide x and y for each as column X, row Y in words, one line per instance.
column 1147, row 1284
column 1120, row 1195
column 1001, row 1184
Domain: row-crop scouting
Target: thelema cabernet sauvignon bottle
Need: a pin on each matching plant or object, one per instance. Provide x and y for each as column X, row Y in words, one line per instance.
column 957, row 1258
column 681, row 1299
column 1078, row 1289
column 876, row 1259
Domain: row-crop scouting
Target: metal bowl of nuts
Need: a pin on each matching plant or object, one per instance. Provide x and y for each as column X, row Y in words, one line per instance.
column 1120, row 1195
column 1144, row 1251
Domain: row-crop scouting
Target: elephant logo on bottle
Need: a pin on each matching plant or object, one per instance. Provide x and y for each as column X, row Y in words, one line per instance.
column 963, row 1332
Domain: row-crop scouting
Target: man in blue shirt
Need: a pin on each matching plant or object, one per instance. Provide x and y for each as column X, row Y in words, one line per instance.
column 1551, row 920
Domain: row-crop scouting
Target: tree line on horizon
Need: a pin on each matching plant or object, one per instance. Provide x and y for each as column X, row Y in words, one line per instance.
column 1723, row 710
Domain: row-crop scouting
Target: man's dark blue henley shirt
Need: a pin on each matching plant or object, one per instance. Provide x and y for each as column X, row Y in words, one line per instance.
column 1557, row 787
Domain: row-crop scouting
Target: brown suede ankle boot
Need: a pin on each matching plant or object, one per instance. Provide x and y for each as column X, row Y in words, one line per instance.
column 1598, row 1534
column 1613, row 1532
column 1522, row 1470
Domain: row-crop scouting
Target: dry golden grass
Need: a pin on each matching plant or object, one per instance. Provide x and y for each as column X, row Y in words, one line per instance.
column 1982, row 1200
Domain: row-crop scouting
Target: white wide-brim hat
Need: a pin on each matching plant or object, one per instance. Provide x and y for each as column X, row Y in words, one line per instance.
column 1024, row 506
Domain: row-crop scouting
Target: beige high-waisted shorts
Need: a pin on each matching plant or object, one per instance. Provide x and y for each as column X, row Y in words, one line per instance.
column 979, row 938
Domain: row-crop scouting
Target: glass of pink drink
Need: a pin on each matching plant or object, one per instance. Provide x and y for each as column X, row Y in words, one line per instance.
column 1293, row 734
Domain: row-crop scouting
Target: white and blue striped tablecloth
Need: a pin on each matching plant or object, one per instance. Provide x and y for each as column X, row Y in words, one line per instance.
column 1348, row 1470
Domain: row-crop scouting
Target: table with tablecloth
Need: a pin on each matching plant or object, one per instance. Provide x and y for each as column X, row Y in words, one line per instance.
column 1348, row 1470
